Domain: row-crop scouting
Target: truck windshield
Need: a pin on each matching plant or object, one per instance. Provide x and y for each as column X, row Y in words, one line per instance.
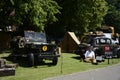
column 103, row 41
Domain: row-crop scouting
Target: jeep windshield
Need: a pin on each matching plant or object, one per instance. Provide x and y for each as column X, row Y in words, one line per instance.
column 34, row 36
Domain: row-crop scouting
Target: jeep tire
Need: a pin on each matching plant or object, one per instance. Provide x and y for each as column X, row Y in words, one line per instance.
column 55, row 60
column 31, row 59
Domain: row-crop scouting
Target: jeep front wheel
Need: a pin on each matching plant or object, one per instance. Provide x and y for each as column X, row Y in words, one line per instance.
column 54, row 61
column 31, row 59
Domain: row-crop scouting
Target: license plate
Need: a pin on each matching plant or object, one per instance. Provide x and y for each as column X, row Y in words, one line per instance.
column 99, row 58
column 108, row 54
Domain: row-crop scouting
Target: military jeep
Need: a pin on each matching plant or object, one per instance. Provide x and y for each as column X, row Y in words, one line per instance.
column 34, row 46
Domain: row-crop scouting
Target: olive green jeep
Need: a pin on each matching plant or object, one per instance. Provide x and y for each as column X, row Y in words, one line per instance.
column 34, row 46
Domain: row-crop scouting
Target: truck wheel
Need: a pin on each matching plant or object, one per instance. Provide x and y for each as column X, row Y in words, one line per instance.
column 41, row 61
column 54, row 61
column 31, row 59
column 118, row 54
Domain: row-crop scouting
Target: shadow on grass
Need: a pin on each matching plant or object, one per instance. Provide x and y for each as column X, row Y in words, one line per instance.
column 5, row 51
column 21, row 61
column 76, row 57
column 24, row 62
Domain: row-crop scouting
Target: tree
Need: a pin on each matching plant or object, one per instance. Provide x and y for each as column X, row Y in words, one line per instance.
column 34, row 14
column 82, row 15
column 6, row 8
column 112, row 18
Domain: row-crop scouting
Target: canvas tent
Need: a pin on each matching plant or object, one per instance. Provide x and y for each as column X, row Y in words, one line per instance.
column 69, row 43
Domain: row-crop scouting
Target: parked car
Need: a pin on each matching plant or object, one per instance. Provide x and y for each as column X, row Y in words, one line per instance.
column 102, row 46
column 34, row 46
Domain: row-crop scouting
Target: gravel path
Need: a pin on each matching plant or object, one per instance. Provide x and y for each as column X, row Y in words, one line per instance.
column 107, row 73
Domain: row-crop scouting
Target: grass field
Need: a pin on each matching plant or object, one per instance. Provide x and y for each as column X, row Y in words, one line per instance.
column 67, row 64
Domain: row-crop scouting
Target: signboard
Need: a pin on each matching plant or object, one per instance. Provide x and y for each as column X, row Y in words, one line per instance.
column 108, row 54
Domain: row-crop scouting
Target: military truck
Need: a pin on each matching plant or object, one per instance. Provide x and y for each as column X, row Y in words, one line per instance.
column 34, row 46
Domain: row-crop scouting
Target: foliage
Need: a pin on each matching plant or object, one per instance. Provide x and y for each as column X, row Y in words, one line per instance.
column 82, row 15
column 112, row 18
column 33, row 13
column 6, row 8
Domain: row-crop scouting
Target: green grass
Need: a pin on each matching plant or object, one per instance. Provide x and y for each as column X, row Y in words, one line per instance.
column 67, row 64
